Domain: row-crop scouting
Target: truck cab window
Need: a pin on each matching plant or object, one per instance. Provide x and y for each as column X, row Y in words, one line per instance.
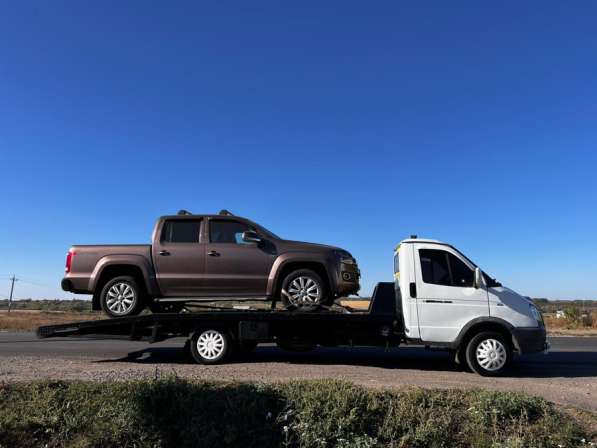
column 227, row 232
column 181, row 231
column 443, row 268
column 434, row 266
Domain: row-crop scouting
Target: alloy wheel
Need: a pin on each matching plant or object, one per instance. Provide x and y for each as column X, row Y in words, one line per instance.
column 304, row 290
column 121, row 298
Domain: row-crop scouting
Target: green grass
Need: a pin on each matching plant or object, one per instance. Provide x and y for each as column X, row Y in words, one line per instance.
column 176, row 413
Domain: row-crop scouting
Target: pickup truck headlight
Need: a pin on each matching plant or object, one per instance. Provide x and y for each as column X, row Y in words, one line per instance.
column 345, row 257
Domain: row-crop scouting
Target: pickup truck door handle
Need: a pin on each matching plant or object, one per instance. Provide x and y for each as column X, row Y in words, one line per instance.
column 437, row 301
column 164, row 252
column 213, row 253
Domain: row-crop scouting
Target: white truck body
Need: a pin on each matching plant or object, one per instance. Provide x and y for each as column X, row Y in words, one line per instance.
column 443, row 295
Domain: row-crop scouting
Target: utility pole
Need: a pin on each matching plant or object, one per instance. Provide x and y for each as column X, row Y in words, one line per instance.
column 12, row 288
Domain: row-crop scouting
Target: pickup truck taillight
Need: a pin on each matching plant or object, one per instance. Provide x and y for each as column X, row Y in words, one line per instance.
column 69, row 260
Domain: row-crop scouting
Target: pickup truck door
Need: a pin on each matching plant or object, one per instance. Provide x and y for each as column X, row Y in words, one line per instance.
column 446, row 297
column 235, row 267
column 179, row 257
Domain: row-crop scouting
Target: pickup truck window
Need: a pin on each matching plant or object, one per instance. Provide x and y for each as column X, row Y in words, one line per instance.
column 227, row 231
column 443, row 268
column 181, row 231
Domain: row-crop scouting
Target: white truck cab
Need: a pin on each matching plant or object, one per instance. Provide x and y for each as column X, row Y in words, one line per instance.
column 447, row 301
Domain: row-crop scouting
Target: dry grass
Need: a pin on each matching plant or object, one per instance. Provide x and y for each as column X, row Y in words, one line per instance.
column 567, row 327
column 29, row 320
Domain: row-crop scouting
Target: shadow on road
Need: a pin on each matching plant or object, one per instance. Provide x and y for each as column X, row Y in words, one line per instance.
column 570, row 364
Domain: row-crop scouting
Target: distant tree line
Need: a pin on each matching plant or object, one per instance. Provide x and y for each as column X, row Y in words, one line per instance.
column 77, row 305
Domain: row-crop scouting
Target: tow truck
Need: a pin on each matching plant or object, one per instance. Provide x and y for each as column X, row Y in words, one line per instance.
column 439, row 298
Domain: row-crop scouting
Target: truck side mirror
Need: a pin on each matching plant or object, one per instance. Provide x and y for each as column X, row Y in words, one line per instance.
column 250, row 236
column 478, row 282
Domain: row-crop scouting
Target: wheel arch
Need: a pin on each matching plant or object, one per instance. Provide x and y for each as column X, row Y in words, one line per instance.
column 285, row 268
column 116, row 268
column 485, row 324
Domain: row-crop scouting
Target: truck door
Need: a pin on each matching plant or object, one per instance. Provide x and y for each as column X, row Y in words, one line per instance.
column 446, row 297
column 179, row 257
column 235, row 267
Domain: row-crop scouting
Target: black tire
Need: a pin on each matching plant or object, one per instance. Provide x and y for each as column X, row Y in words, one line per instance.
column 288, row 288
column 119, row 290
column 218, row 352
column 494, row 348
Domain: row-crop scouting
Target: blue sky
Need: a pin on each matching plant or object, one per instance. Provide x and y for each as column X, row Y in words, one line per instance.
column 348, row 123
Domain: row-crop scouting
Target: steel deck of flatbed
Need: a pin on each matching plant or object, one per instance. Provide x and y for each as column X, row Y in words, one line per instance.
column 323, row 324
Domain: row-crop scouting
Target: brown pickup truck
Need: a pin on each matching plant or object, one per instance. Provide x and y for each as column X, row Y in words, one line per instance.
column 208, row 257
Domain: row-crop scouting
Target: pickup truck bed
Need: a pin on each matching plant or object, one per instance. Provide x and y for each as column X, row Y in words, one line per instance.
column 92, row 259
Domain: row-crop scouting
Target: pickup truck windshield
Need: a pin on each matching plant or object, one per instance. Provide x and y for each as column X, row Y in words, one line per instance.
column 265, row 231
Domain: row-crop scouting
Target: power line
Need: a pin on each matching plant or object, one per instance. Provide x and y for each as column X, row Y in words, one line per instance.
column 41, row 285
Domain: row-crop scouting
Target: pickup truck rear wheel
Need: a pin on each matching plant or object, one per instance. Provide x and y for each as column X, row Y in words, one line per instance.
column 303, row 287
column 121, row 296
column 210, row 346
column 488, row 353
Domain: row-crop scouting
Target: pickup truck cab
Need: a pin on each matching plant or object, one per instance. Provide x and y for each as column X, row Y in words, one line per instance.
column 208, row 257
column 447, row 301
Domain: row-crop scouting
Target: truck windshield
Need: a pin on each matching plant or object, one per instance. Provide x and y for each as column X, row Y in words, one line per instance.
column 490, row 281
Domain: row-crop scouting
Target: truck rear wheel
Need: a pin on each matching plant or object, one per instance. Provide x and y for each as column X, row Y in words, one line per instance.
column 121, row 296
column 210, row 346
column 303, row 287
column 488, row 353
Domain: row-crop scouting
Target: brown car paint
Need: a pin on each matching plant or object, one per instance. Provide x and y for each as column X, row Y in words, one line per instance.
column 207, row 269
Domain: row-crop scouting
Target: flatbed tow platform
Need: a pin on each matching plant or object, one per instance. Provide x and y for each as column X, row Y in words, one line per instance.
column 218, row 333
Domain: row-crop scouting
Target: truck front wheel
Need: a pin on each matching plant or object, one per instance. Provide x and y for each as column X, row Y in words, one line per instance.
column 488, row 353
column 121, row 296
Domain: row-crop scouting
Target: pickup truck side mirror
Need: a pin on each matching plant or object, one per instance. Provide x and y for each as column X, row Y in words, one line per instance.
column 250, row 236
column 478, row 282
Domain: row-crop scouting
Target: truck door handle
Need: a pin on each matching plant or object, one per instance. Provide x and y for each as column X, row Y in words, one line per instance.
column 213, row 253
column 164, row 252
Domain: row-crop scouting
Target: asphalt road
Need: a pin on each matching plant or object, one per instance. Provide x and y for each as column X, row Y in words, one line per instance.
column 567, row 375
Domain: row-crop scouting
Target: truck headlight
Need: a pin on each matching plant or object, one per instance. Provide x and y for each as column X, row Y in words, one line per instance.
column 536, row 314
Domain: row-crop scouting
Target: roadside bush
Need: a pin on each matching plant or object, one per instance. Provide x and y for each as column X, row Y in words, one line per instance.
column 176, row 413
column 572, row 314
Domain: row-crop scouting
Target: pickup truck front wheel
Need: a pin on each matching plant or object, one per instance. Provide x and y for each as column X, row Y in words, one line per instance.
column 303, row 288
column 121, row 297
